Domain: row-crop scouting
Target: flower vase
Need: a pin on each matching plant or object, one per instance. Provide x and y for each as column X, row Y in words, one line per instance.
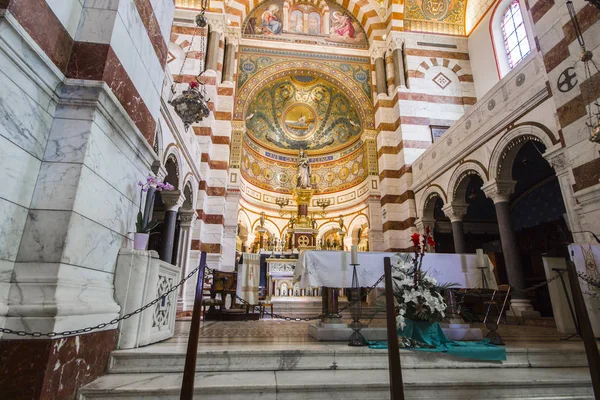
column 140, row 241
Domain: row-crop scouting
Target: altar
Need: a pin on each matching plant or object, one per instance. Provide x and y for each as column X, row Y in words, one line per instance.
column 332, row 269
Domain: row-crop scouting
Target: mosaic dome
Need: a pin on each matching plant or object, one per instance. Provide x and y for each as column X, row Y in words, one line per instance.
column 303, row 112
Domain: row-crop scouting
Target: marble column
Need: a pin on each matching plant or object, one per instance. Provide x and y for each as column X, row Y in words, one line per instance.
column 390, row 73
column 500, row 192
column 456, row 212
column 185, row 300
column 229, row 67
column 399, row 73
column 380, row 80
column 172, row 201
column 212, row 50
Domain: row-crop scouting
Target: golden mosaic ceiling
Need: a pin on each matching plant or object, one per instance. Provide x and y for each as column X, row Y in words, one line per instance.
column 302, row 111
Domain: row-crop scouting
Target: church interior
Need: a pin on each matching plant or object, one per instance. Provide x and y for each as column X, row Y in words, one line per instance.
column 281, row 199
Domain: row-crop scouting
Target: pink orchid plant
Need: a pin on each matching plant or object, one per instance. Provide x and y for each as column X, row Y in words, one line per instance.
column 151, row 182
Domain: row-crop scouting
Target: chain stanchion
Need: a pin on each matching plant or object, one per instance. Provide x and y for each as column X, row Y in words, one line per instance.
column 104, row 324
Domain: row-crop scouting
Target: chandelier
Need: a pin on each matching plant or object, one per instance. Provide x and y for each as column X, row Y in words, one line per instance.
column 192, row 105
column 587, row 59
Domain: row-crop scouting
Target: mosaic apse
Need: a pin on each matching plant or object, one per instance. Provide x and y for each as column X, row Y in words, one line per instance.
column 302, row 111
column 324, row 23
column 435, row 16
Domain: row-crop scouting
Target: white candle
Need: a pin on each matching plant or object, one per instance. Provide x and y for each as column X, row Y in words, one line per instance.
column 354, row 257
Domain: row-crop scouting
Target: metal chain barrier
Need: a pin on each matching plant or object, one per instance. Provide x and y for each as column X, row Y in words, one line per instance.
column 297, row 319
column 209, row 271
column 104, row 324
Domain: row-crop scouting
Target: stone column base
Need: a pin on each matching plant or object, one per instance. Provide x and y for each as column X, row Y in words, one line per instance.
column 521, row 308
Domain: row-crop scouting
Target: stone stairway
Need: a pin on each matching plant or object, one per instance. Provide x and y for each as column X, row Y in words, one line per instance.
column 537, row 370
column 311, row 306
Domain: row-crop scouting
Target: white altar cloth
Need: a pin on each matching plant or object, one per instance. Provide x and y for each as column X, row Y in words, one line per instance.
column 333, row 269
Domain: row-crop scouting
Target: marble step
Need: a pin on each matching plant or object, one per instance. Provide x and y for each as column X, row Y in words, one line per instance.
column 509, row 383
column 170, row 357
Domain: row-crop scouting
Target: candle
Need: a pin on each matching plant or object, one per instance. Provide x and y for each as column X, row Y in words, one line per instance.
column 354, row 257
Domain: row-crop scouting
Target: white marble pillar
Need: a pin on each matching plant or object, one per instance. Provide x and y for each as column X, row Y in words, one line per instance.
column 188, row 217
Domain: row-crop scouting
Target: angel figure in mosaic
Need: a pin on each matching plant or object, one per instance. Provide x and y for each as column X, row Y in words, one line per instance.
column 270, row 20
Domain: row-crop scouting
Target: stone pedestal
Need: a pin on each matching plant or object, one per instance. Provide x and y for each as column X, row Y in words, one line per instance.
column 141, row 277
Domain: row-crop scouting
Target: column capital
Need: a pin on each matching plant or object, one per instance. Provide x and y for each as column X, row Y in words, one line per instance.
column 421, row 224
column 187, row 217
column 499, row 190
column 159, row 170
column 558, row 160
column 172, row 199
column 455, row 211
column 238, row 126
column 377, row 50
column 395, row 41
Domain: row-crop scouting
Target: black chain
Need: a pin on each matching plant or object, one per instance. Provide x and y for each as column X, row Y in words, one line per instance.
column 105, row 324
column 298, row 319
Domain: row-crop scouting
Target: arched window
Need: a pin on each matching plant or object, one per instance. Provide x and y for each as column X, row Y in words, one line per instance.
column 514, row 34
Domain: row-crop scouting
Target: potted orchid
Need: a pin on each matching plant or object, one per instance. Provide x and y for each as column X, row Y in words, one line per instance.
column 143, row 227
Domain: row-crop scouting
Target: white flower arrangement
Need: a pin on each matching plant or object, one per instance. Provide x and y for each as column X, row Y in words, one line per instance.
column 419, row 296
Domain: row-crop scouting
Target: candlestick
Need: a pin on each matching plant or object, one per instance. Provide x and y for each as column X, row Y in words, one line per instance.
column 354, row 258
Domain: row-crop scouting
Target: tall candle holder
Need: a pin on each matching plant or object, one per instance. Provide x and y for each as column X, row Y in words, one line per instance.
column 356, row 338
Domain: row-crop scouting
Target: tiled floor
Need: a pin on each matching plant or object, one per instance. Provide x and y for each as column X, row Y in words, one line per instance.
column 278, row 331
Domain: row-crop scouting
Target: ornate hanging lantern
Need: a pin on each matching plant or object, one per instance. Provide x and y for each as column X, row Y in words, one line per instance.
column 192, row 105
column 587, row 58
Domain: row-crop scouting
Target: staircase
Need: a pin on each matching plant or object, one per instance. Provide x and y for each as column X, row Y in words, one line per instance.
column 309, row 370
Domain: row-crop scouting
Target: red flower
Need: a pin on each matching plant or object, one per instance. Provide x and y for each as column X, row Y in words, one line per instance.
column 430, row 241
column 427, row 230
column 415, row 239
column 194, row 85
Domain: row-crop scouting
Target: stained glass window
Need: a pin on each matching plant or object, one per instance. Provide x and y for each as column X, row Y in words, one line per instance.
column 515, row 36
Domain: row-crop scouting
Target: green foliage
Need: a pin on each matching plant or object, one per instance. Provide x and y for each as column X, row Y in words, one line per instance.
column 140, row 227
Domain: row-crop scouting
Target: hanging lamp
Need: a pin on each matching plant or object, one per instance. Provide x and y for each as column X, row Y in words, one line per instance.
column 587, row 57
column 192, row 105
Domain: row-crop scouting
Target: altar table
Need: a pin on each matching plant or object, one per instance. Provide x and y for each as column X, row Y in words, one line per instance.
column 333, row 269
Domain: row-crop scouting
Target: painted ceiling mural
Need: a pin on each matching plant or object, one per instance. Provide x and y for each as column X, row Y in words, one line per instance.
column 278, row 172
column 436, row 16
column 304, row 22
column 302, row 111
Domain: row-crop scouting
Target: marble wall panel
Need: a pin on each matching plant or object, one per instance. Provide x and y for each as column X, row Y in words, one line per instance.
column 12, row 221
column 164, row 11
column 68, row 13
column 96, row 24
column 24, row 122
column 19, row 170
column 142, row 65
column 65, row 236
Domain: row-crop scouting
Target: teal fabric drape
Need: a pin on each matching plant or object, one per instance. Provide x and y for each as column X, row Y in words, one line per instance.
column 431, row 334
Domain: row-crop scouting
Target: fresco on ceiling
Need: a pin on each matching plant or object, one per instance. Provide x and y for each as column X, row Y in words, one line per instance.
column 302, row 111
column 304, row 22
column 436, row 16
column 332, row 176
column 475, row 10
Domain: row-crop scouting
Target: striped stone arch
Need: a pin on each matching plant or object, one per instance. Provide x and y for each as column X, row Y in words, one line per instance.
column 357, row 222
column 426, row 205
column 189, row 181
column 509, row 145
column 364, row 11
column 361, row 102
column 458, row 181
column 172, row 154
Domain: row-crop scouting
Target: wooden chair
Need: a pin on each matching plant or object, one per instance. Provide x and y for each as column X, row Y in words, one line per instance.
column 263, row 303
